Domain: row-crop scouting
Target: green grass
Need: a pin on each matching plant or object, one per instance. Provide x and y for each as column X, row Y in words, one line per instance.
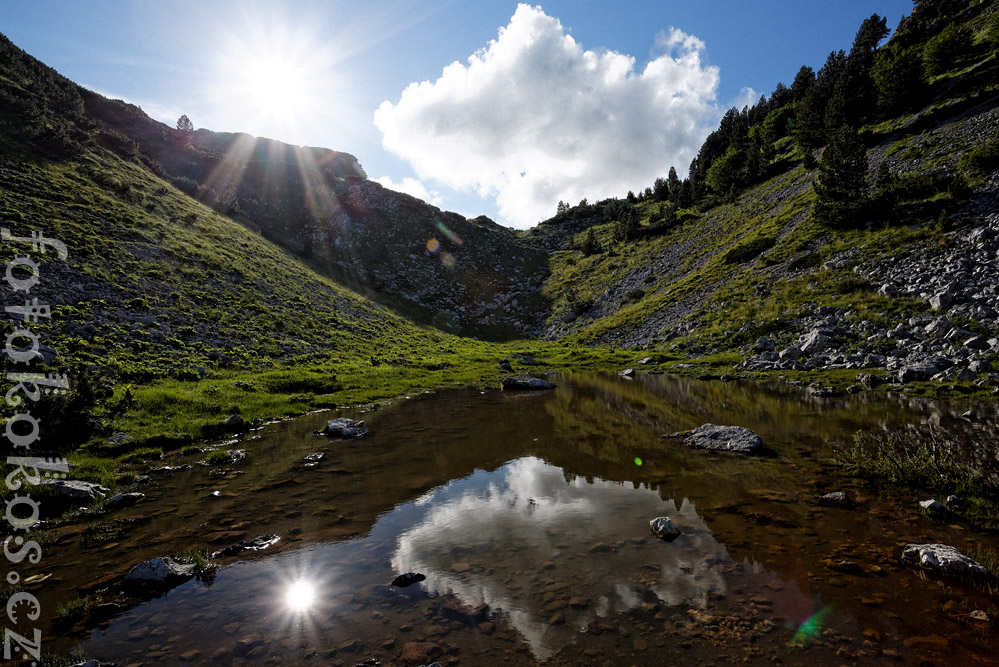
column 199, row 557
column 927, row 467
column 73, row 610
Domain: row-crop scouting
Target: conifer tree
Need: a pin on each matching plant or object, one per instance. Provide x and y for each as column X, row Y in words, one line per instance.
column 841, row 184
column 590, row 244
column 673, row 182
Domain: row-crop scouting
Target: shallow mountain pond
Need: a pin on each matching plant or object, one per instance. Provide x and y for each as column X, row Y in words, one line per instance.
column 527, row 513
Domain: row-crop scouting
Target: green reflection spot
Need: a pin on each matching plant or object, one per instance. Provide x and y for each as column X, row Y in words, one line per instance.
column 638, row 461
column 810, row 629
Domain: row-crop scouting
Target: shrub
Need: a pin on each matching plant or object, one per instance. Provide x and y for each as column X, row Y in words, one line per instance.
column 982, row 160
column 944, row 50
column 748, row 250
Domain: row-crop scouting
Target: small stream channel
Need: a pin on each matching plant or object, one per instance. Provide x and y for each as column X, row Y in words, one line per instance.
column 528, row 514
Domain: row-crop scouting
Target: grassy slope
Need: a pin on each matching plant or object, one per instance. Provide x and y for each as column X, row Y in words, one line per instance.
column 742, row 270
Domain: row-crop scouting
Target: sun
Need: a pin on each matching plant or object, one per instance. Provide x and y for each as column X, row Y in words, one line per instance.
column 274, row 77
column 300, row 595
column 277, row 85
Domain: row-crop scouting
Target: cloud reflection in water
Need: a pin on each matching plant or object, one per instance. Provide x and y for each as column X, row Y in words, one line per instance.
column 553, row 554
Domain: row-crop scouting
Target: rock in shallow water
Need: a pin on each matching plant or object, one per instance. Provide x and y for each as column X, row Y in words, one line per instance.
column 834, row 499
column 942, row 559
column 526, row 382
column 408, row 579
column 124, row 500
column 664, row 528
column 76, row 491
column 256, row 544
column 161, row 572
column 725, row 439
column 345, row 428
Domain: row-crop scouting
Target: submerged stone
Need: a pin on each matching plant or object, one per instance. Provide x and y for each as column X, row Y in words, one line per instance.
column 124, row 499
column 725, row 439
column 835, row 499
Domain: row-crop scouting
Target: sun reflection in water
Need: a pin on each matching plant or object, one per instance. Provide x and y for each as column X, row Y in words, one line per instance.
column 300, row 596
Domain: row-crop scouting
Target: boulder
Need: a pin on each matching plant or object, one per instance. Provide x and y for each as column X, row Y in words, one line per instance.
column 815, row 342
column 763, row 344
column 931, row 505
column 627, row 373
column 792, row 353
column 161, row 572
column 942, row 559
column 725, row 439
column 917, row 373
column 345, row 428
column 663, row 528
column 941, row 300
column 528, row 360
column 870, row 381
column 977, row 343
column 408, row 579
column 235, row 422
column 75, row 491
column 526, row 382
column 980, row 366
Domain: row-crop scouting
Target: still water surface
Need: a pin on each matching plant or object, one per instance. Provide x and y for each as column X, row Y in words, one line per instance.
column 528, row 515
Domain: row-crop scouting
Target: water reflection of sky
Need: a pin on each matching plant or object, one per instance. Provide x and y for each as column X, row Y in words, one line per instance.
column 548, row 553
column 507, row 538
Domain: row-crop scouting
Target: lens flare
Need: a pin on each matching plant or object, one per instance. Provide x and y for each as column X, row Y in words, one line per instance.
column 808, row 631
column 300, row 596
column 638, row 461
column 454, row 238
column 434, row 246
column 448, row 260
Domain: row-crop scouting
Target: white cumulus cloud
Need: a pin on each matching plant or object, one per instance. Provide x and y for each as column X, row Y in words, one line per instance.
column 533, row 118
column 412, row 186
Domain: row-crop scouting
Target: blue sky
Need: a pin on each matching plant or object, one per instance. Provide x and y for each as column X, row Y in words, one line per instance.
column 563, row 100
